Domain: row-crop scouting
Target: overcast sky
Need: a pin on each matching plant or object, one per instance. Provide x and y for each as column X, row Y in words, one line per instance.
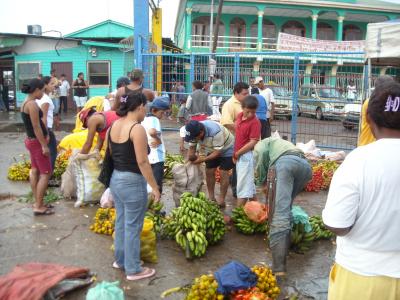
column 71, row 15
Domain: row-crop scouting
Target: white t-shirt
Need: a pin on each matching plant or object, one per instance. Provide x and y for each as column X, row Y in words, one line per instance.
column 365, row 191
column 351, row 92
column 64, row 88
column 50, row 112
column 269, row 97
column 156, row 154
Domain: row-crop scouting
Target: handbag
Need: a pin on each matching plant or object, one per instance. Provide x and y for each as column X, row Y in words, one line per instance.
column 107, row 167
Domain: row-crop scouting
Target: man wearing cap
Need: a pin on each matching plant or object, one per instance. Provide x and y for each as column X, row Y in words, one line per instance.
column 269, row 97
column 154, row 136
column 135, row 86
column 216, row 142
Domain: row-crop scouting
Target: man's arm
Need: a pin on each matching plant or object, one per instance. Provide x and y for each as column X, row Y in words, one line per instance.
column 246, row 148
column 211, row 156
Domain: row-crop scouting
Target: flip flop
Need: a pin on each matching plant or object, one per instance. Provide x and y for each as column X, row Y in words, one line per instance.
column 222, row 205
column 116, row 266
column 146, row 273
column 46, row 212
column 49, row 205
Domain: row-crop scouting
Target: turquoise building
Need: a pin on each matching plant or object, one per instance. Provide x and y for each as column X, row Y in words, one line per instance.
column 97, row 51
column 250, row 25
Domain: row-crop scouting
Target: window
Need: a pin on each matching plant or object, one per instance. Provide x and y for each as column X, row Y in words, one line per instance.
column 99, row 72
column 27, row 71
column 294, row 28
column 325, row 32
column 352, row 33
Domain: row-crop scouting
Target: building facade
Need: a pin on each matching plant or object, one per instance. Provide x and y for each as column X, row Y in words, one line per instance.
column 96, row 51
column 251, row 25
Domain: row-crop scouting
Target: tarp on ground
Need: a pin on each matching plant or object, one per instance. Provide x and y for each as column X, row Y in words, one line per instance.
column 382, row 44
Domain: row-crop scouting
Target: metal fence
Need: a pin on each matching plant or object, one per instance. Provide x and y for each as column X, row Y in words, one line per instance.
column 317, row 95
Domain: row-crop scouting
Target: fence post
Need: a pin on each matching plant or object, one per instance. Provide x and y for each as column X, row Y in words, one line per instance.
column 295, row 97
column 236, row 70
column 191, row 74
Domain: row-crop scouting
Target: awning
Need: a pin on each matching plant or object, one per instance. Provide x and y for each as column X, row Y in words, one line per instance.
column 10, row 42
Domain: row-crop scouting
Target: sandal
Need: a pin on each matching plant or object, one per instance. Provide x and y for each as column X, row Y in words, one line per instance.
column 46, row 212
column 116, row 266
column 146, row 273
column 221, row 205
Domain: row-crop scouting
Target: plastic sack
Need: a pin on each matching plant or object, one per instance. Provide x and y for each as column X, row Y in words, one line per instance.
column 68, row 182
column 256, row 211
column 276, row 134
column 187, row 178
column 234, row 276
column 97, row 102
column 106, row 291
column 148, row 242
column 300, row 216
column 107, row 200
column 86, row 170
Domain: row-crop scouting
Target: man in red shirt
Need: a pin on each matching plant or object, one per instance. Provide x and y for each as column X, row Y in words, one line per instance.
column 248, row 131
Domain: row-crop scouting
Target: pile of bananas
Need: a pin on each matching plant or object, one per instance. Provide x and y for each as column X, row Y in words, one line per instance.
column 19, row 171
column 61, row 163
column 195, row 224
column 301, row 240
column 104, row 221
column 204, row 287
column 154, row 212
column 170, row 161
column 244, row 225
column 266, row 281
column 319, row 229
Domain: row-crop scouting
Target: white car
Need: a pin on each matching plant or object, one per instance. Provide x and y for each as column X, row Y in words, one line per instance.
column 351, row 115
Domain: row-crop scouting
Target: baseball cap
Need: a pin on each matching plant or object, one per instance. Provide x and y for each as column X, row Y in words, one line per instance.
column 123, row 81
column 137, row 74
column 161, row 103
column 192, row 130
column 258, row 80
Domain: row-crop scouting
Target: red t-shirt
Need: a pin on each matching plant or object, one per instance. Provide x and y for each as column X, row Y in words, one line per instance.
column 109, row 117
column 246, row 130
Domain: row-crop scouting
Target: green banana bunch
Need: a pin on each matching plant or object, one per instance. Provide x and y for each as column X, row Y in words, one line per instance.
column 244, row 225
column 215, row 223
column 170, row 161
column 301, row 240
column 155, row 213
column 319, row 228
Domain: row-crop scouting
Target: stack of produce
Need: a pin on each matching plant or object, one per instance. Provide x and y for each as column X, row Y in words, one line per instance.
column 205, row 287
column 61, row 163
column 104, row 221
column 195, row 224
column 155, row 213
column 170, row 161
column 319, row 228
column 301, row 240
column 19, row 171
column 322, row 176
column 244, row 225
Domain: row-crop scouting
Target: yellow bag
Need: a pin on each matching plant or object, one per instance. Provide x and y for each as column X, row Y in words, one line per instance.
column 75, row 140
column 97, row 102
column 148, row 242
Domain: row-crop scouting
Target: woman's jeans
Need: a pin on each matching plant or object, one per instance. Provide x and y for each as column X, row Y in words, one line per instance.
column 292, row 174
column 130, row 198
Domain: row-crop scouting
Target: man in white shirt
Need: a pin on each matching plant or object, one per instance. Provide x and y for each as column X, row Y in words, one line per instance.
column 269, row 97
column 64, row 92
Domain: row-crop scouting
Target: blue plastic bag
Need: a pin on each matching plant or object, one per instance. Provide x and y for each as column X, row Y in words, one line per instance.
column 106, row 291
column 300, row 216
column 234, row 276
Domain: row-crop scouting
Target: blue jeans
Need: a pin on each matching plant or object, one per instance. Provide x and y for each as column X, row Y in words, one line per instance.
column 292, row 174
column 158, row 173
column 56, row 102
column 130, row 198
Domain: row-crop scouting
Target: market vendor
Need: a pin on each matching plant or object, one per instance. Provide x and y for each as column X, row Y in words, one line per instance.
column 292, row 174
column 216, row 142
column 96, row 122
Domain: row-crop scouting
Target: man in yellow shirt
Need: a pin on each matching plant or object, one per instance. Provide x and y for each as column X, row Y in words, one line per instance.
column 233, row 106
column 366, row 137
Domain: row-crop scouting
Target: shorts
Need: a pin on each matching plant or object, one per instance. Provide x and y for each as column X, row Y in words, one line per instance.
column 80, row 101
column 224, row 163
column 38, row 160
column 56, row 102
column 245, row 186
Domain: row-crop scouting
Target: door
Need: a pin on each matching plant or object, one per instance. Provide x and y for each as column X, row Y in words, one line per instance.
column 65, row 68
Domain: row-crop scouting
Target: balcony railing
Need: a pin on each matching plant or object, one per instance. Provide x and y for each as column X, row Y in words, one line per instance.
column 234, row 44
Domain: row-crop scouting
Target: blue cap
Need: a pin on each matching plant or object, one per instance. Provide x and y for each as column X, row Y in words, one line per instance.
column 192, row 130
column 161, row 103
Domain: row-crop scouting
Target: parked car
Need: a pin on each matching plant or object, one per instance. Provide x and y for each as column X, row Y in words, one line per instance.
column 283, row 102
column 351, row 115
column 322, row 102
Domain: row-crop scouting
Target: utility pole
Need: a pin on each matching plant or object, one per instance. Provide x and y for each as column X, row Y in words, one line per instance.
column 216, row 29
column 211, row 24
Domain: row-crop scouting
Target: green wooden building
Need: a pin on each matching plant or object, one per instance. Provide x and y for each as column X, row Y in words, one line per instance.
column 96, row 51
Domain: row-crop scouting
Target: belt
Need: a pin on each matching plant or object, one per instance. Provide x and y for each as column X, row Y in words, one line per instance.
column 295, row 153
